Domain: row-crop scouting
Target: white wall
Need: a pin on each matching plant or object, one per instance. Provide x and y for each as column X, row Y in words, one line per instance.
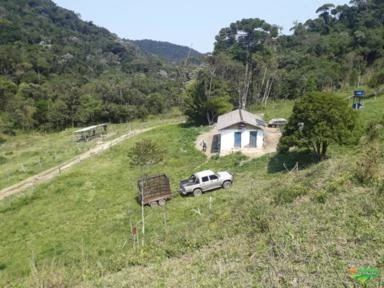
column 228, row 139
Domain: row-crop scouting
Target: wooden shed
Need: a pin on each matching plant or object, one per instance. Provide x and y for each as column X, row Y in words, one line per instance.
column 90, row 132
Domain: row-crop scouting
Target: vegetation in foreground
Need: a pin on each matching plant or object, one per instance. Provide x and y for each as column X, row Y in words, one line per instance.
column 304, row 227
column 288, row 220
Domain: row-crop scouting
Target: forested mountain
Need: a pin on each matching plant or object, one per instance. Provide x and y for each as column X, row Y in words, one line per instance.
column 59, row 71
column 342, row 48
column 170, row 52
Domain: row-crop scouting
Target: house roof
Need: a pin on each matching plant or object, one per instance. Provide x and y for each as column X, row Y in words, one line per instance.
column 239, row 116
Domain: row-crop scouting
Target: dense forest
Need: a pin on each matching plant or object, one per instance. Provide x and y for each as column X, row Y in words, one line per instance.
column 252, row 62
column 58, row 71
column 169, row 52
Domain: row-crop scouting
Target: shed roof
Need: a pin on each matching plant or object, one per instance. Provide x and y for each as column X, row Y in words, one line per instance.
column 89, row 128
column 239, row 116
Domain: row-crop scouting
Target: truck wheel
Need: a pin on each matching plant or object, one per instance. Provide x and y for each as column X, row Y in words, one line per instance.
column 153, row 204
column 227, row 184
column 197, row 192
column 161, row 202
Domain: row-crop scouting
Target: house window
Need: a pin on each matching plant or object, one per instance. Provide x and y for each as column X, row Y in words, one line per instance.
column 237, row 140
column 253, row 139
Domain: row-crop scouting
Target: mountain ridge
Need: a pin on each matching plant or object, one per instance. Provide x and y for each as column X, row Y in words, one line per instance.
column 59, row 71
column 168, row 51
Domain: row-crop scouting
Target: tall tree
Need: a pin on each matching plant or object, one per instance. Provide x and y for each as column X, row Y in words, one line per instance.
column 317, row 121
column 206, row 99
column 325, row 13
column 242, row 40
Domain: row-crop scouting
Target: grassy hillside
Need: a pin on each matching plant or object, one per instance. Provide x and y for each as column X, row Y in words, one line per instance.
column 28, row 154
column 273, row 228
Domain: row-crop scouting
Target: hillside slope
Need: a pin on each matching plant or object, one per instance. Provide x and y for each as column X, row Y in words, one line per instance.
column 57, row 71
column 170, row 52
column 276, row 227
column 52, row 39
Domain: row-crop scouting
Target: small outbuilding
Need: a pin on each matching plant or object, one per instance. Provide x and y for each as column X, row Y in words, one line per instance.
column 238, row 130
column 277, row 122
column 90, row 132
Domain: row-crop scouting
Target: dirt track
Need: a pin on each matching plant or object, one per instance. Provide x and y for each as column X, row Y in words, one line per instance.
column 57, row 170
column 271, row 140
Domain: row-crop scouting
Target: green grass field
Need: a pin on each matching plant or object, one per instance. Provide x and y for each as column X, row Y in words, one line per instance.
column 25, row 155
column 273, row 228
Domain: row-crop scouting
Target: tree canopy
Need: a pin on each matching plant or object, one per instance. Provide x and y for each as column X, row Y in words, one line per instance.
column 206, row 99
column 341, row 48
column 317, row 121
column 58, row 71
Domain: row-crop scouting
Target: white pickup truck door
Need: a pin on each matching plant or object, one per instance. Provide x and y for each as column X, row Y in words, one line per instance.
column 205, row 184
column 214, row 181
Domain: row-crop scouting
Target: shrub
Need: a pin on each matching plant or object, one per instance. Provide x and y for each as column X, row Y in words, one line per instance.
column 289, row 194
column 338, row 184
column 320, row 197
column 3, row 160
column 368, row 168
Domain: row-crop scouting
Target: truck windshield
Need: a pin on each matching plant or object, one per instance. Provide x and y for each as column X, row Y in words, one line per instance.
column 193, row 179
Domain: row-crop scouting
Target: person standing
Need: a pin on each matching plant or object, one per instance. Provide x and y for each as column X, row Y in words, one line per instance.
column 204, row 146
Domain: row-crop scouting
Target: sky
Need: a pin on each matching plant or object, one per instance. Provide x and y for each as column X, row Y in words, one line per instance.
column 191, row 23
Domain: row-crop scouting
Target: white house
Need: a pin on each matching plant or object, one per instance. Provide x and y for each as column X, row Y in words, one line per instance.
column 240, row 130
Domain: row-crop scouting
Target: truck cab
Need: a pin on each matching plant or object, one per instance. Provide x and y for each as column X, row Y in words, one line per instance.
column 205, row 180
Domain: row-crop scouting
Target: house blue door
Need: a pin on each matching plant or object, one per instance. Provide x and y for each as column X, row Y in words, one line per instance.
column 253, row 139
column 237, row 139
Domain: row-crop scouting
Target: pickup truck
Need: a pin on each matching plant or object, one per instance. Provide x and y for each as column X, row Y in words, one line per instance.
column 206, row 180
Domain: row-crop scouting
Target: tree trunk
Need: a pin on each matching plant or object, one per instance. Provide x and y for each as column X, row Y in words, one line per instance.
column 318, row 150
column 263, row 79
column 323, row 154
column 267, row 90
column 210, row 83
column 209, row 118
column 247, row 81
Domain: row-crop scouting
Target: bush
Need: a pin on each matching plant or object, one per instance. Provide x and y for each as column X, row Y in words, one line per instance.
column 289, row 194
column 338, row 184
column 320, row 197
column 3, row 160
column 368, row 169
column 380, row 190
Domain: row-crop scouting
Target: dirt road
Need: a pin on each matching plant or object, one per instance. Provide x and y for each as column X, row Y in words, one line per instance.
column 57, row 170
column 271, row 139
